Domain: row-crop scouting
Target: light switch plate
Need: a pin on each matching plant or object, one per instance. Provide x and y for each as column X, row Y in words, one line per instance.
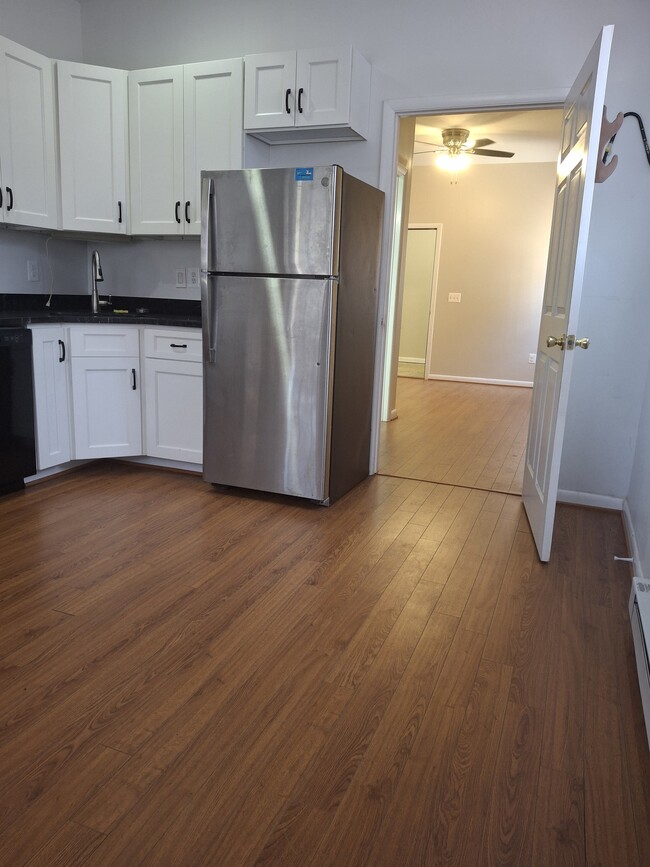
column 181, row 282
column 454, row 297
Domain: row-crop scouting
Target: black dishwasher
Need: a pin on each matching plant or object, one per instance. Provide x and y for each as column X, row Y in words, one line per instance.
column 17, row 449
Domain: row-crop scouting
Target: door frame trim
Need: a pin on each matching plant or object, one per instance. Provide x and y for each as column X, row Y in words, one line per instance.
column 393, row 111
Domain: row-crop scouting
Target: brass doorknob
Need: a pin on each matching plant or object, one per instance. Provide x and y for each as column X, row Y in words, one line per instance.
column 556, row 341
column 583, row 343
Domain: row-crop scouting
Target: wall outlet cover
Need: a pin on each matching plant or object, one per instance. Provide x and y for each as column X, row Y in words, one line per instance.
column 193, row 278
column 532, row 358
column 33, row 275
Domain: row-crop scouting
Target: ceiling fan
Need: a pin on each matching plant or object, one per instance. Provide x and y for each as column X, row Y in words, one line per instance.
column 456, row 141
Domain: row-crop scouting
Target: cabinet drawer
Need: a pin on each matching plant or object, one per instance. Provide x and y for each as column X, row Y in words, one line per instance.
column 178, row 344
column 104, row 341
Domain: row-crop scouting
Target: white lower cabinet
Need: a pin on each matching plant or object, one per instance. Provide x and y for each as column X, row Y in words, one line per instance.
column 90, row 400
column 51, row 399
column 107, row 411
column 173, row 394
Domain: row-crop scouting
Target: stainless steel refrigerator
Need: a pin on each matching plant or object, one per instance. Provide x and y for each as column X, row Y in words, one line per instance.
column 289, row 271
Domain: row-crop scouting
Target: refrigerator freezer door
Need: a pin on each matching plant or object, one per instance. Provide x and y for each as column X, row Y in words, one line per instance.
column 273, row 221
column 268, row 391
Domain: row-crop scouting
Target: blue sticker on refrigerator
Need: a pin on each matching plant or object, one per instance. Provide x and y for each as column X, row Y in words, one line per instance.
column 304, row 175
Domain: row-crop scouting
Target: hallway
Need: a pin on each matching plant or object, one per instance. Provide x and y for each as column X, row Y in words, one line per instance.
column 457, row 433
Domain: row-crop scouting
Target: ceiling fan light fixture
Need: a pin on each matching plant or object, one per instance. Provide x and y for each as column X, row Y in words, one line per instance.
column 452, row 162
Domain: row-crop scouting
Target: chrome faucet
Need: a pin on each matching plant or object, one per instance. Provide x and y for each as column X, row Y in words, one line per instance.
column 97, row 277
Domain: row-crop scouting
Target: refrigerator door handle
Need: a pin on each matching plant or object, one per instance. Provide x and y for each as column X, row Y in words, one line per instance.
column 208, row 231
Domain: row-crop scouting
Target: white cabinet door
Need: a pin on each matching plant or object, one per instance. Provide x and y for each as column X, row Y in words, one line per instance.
column 106, row 404
column 327, row 99
column 323, row 82
column 27, row 139
column 213, row 135
column 174, row 409
column 49, row 349
column 269, row 90
column 93, row 141
column 156, row 151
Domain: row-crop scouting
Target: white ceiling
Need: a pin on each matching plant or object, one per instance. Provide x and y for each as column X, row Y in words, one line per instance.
column 534, row 136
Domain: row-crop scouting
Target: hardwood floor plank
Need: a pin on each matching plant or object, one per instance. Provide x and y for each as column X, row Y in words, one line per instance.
column 458, row 434
column 194, row 676
column 367, row 806
column 72, row 845
column 33, row 812
column 510, row 824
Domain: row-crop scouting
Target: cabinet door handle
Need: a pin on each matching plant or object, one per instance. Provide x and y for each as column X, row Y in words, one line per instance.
column 178, row 345
column 300, row 93
column 119, row 212
column 0, row 197
column 133, row 378
column 10, row 194
column 187, row 212
column 176, row 210
column 61, row 351
column 286, row 100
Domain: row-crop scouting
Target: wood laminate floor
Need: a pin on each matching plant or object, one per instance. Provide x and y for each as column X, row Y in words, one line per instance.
column 193, row 677
column 457, row 433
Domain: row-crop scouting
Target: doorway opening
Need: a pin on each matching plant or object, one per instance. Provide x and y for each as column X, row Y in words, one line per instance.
column 465, row 421
column 418, row 299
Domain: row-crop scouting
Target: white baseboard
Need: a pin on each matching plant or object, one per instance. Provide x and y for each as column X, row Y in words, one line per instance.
column 631, row 540
column 55, row 471
column 595, row 501
column 407, row 360
column 164, row 463
column 520, row 383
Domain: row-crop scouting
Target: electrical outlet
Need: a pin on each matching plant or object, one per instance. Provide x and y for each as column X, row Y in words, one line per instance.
column 181, row 282
column 532, row 358
column 455, row 297
column 193, row 277
column 33, row 275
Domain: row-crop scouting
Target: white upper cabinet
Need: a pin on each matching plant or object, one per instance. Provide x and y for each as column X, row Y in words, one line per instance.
column 310, row 95
column 93, row 147
column 27, row 138
column 182, row 119
column 212, row 124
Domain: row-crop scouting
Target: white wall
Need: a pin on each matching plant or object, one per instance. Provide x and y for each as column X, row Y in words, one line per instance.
column 52, row 27
column 638, row 496
column 495, row 230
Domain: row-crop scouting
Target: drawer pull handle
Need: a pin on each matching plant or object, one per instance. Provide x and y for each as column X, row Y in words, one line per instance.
column 178, row 345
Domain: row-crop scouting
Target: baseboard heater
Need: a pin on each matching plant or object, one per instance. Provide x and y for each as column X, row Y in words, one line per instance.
column 640, row 617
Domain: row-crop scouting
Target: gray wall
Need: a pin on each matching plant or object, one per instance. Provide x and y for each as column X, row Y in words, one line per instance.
column 469, row 50
column 496, row 224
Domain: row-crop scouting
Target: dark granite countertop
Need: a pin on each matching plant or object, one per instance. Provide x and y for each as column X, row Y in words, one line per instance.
column 24, row 309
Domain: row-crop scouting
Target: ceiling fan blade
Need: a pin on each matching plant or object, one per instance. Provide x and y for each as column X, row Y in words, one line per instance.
column 481, row 142
column 483, row 153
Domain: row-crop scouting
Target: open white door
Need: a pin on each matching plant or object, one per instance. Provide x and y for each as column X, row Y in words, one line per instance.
column 579, row 154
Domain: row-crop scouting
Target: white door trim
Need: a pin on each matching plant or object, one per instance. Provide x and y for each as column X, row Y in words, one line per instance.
column 393, row 110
